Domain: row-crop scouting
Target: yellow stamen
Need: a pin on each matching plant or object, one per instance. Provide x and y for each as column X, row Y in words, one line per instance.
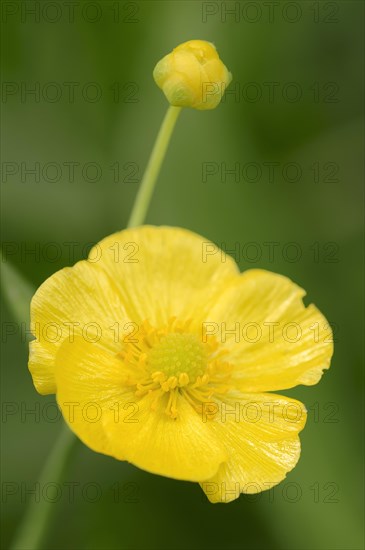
column 174, row 360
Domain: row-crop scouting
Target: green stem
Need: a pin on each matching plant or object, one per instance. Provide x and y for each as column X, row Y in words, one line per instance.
column 145, row 191
column 35, row 525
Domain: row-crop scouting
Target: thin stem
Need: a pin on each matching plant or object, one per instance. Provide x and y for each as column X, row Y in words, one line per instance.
column 35, row 525
column 145, row 191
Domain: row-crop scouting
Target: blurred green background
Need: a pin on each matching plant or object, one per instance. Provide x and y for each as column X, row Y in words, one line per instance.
column 292, row 130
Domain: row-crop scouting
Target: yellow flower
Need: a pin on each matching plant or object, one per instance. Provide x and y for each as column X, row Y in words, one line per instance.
column 192, row 75
column 161, row 353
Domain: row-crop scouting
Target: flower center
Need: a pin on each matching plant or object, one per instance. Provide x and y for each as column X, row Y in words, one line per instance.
column 173, row 361
column 178, row 353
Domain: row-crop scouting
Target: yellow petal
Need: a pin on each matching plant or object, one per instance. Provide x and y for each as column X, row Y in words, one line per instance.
column 162, row 272
column 106, row 415
column 273, row 340
column 182, row 448
column 81, row 299
column 90, row 390
column 260, row 433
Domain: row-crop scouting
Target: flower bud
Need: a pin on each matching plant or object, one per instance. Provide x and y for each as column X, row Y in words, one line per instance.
column 192, row 75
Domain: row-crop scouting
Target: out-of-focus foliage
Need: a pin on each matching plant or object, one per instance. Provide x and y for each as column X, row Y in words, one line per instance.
column 291, row 129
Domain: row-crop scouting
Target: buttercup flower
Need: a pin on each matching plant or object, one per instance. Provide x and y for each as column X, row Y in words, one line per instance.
column 162, row 354
column 192, row 75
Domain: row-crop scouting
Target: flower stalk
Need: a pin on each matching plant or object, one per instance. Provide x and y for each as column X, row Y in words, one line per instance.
column 158, row 153
column 36, row 523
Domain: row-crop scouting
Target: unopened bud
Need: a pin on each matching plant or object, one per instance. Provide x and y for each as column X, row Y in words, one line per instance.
column 192, row 75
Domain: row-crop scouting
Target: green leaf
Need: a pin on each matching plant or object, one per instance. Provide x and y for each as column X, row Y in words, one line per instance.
column 17, row 291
